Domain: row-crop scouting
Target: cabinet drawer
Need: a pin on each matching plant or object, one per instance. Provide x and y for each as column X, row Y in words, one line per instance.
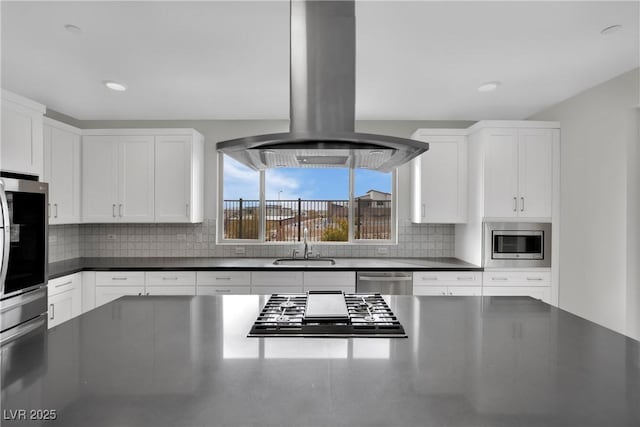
column 105, row 294
column 223, row 278
column 223, row 290
column 170, row 278
column 268, row 290
column 63, row 284
column 323, row 279
column 277, row 278
column 517, row 278
column 120, row 278
column 447, row 278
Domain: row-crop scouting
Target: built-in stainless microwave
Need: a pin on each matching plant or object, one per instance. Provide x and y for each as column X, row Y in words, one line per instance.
column 517, row 244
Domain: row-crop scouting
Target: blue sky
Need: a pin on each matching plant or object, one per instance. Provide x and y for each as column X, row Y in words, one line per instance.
column 291, row 183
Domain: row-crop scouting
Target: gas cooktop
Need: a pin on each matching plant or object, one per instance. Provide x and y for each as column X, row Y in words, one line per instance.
column 327, row 314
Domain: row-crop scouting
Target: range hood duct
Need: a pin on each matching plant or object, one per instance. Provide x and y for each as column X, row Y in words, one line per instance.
column 322, row 101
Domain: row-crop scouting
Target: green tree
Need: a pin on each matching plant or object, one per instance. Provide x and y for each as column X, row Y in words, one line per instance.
column 337, row 233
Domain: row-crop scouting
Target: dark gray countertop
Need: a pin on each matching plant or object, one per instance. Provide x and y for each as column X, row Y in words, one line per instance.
column 186, row 361
column 62, row 268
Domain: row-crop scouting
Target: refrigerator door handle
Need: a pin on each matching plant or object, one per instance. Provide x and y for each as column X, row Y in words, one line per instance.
column 4, row 238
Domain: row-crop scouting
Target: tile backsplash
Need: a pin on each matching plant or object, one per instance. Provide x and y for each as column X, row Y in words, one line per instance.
column 199, row 240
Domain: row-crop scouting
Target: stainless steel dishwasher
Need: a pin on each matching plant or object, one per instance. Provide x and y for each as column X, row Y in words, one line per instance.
column 385, row 282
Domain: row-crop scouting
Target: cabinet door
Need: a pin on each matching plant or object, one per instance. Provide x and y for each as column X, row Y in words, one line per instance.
column 171, row 290
column 535, row 170
column 329, row 281
column 465, row 290
column 224, row 290
column 430, row 290
column 22, row 139
column 173, row 178
column 501, row 173
column 64, row 176
column 61, row 308
column 136, row 179
column 443, row 181
column 99, row 178
column 542, row 293
column 105, row 294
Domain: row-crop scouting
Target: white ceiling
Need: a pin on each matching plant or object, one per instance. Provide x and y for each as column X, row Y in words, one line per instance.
column 229, row 60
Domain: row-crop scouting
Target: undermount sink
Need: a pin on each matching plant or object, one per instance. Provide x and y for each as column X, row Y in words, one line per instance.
column 302, row 261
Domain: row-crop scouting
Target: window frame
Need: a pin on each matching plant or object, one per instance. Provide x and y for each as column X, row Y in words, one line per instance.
column 220, row 240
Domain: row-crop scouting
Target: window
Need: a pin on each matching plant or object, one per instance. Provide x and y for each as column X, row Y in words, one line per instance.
column 331, row 204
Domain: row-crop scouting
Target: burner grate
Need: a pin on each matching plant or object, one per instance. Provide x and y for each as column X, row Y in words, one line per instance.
column 369, row 316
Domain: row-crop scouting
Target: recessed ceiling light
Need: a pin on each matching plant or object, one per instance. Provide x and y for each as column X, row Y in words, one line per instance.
column 73, row 29
column 268, row 152
column 610, row 29
column 375, row 152
column 118, row 87
column 489, row 87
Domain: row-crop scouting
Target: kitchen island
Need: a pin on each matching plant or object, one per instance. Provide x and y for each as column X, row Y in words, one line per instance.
column 187, row 361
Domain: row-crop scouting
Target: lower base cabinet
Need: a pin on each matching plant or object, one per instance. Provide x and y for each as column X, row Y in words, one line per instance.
column 447, row 283
column 105, row 294
column 223, row 290
column 64, row 295
column 535, row 283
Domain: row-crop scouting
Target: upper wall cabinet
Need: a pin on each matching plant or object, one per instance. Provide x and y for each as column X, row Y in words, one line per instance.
column 179, row 167
column 150, row 175
column 118, row 179
column 439, row 178
column 518, row 172
column 62, row 171
column 21, row 149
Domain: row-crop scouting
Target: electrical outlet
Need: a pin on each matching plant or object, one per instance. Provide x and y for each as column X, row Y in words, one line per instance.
column 382, row 251
column 181, row 236
column 53, row 239
column 240, row 250
column 111, row 237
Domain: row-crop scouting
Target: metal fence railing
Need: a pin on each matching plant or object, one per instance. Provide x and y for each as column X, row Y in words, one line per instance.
column 325, row 220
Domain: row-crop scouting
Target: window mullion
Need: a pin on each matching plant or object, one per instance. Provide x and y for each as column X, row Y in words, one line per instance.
column 263, row 209
column 351, row 199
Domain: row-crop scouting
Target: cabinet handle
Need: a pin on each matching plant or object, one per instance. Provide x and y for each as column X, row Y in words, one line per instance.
column 534, row 278
column 119, row 278
column 450, row 293
column 187, row 208
column 465, row 278
column 52, row 308
column 147, row 293
column 169, row 278
column 429, row 278
column 443, row 293
column 113, row 210
column 55, row 205
column 424, row 208
column 515, row 204
column 223, row 290
column 498, row 278
column 223, row 278
column 522, row 200
column 49, row 210
column 120, row 210
column 139, row 294
column 63, row 284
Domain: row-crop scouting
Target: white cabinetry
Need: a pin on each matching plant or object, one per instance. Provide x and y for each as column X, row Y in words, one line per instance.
column 142, row 175
column 179, row 171
column 535, row 283
column 274, row 282
column 62, row 171
column 518, row 172
column 64, row 298
column 110, row 285
column 170, row 283
column 439, row 178
column 118, row 179
column 223, row 282
column 452, row 283
column 329, row 281
column 21, row 147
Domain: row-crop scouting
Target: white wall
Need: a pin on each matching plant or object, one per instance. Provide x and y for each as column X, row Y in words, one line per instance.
column 598, row 201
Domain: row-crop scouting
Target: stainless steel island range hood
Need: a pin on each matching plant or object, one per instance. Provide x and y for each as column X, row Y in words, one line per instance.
column 322, row 97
